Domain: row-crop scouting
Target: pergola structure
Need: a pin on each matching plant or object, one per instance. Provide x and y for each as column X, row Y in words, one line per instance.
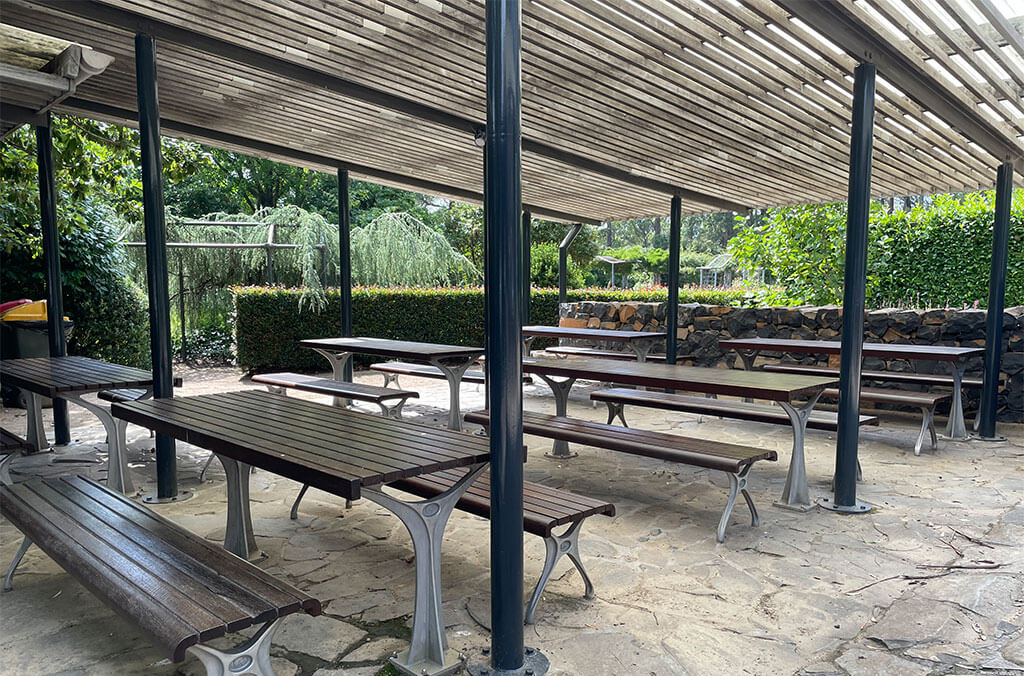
column 586, row 110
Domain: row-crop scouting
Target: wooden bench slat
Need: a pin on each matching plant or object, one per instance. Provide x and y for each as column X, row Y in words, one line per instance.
column 689, row 450
column 822, row 420
column 427, row 371
column 882, row 396
column 11, row 443
column 626, row 355
column 544, row 508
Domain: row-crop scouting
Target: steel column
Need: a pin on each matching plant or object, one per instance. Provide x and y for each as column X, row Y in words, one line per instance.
column 672, row 307
column 526, row 234
column 156, row 253
column 563, row 262
column 345, row 262
column 51, row 260
column 503, row 288
column 996, row 297
column 855, row 273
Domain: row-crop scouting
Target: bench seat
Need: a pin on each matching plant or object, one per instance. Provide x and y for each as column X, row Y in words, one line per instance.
column 888, row 376
column 177, row 587
column 740, row 410
column 128, row 393
column 733, row 459
column 544, row 509
column 392, row 369
column 926, row 401
column 571, row 351
column 373, row 394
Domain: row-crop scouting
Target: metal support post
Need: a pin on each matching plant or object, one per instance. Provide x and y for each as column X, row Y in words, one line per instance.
column 51, row 258
column 344, row 264
column 503, row 290
column 855, row 273
column 526, row 234
column 672, row 306
column 563, row 262
column 156, row 253
column 996, row 297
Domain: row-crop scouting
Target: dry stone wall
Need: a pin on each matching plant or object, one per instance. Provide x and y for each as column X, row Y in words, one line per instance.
column 700, row 327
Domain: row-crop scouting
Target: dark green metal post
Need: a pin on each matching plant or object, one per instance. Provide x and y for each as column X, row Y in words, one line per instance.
column 855, row 275
column 527, row 225
column 345, row 262
column 156, row 253
column 51, row 260
column 563, row 262
column 996, row 298
column 672, row 306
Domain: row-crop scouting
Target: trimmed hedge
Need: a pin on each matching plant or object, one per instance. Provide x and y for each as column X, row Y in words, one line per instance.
column 269, row 322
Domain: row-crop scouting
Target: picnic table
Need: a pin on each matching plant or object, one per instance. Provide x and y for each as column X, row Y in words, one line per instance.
column 640, row 342
column 71, row 378
column 749, row 348
column 342, row 452
column 784, row 389
column 451, row 360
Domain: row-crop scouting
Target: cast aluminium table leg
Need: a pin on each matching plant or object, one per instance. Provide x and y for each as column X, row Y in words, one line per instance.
column 560, row 388
column 428, row 651
column 36, row 433
column 338, row 360
column 238, row 536
column 118, row 476
column 955, row 427
column 453, row 373
column 747, row 357
column 795, row 494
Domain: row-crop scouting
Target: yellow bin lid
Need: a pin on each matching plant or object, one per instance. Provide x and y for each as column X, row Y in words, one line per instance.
column 27, row 312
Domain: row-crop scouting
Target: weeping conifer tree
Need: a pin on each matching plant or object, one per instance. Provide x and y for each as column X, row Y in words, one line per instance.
column 396, row 249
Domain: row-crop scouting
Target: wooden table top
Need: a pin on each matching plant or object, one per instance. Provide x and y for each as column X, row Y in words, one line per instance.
column 330, row 448
column 881, row 350
column 610, row 335
column 731, row 382
column 399, row 349
column 50, row 376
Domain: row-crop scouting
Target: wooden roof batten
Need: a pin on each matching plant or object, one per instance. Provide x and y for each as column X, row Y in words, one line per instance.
column 838, row 22
column 128, row 20
column 623, row 101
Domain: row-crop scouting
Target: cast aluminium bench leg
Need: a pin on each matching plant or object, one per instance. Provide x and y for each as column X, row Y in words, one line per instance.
column 18, row 556
column 557, row 546
column 428, row 651
column 5, row 468
column 737, row 484
column 251, row 657
column 927, row 426
column 118, row 476
column 560, row 388
column 238, row 536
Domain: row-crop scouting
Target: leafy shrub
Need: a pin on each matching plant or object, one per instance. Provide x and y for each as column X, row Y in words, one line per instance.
column 929, row 256
column 544, row 267
column 269, row 323
column 208, row 345
column 109, row 311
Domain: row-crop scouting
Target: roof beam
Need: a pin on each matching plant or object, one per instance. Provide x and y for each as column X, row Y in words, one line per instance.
column 90, row 109
column 137, row 23
column 844, row 29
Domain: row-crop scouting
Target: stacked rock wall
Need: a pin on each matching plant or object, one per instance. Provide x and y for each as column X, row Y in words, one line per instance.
column 700, row 327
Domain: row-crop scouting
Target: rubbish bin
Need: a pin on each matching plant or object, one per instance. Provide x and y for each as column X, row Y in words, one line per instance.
column 24, row 333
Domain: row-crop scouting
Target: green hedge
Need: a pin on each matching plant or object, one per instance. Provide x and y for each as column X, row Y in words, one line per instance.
column 269, row 322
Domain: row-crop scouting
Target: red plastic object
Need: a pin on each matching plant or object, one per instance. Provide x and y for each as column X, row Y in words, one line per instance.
column 4, row 307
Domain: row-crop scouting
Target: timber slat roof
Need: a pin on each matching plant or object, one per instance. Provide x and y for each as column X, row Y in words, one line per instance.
column 729, row 103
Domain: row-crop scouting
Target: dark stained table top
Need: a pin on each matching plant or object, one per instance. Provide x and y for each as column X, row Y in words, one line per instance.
column 399, row 349
column 881, row 350
column 50, row 376
column 731, row 382
column 336, row 450
column 610, row 335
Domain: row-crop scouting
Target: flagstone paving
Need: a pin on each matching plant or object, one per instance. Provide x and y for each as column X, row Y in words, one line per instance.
column 931, row 582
